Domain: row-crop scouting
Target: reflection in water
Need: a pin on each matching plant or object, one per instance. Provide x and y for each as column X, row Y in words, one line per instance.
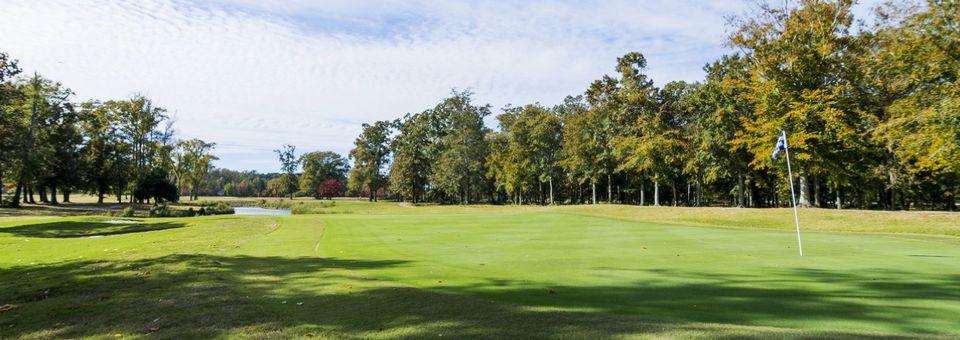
column 260, row 211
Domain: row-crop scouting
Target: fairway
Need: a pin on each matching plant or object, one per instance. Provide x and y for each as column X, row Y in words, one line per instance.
column 390, row 271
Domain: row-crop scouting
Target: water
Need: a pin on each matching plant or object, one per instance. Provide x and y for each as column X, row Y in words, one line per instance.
column 260, row 211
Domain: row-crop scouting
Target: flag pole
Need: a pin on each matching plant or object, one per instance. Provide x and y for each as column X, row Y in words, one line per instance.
column 793, row 196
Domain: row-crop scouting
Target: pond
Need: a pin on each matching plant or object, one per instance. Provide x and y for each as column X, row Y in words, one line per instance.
column 259, row 211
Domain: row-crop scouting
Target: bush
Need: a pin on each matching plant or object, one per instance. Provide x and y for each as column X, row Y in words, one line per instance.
column 219, row 208
column 156, row 185
column 128, row 212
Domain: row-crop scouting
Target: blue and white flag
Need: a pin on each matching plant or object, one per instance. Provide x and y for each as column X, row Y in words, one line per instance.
column 781, row 144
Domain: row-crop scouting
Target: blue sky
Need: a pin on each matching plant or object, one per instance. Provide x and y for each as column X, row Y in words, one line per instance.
column 252, row 75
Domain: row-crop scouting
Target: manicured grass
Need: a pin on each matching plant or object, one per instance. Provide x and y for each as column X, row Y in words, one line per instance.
column 397, row 271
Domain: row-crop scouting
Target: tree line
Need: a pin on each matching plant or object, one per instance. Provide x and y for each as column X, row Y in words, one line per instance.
column 872, row 114
column 51, row 145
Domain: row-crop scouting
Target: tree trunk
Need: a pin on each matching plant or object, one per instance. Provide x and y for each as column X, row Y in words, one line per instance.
column 816, row 191
column 30, row 195
column 53, row 194
column 609, row 189
column 642, row 195
column 673, row 190
column 66, row 195
column 656, row 192
column 739, row 189
column 15, row 202
column 43, row 194
column 804, row 197
column 540, row 191
column 952, row 200
column 839, row 198
column 699, row 191
column 551, row 190
column 593, row 185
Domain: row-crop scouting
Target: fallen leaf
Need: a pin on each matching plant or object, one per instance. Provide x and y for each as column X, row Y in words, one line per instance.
column 7, row 308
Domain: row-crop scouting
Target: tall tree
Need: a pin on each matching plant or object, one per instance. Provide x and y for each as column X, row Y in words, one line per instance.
column 100, row 147
column 800, row 56
column 526, row 150
column 643, row 144
column 194, row 160
column 370, row 154
column 318, row 167
column 413, row 159
column 9, row 93
column 459, row 171
column 719, row 109
column 138, row 121
column 288, row 164
column 910, row 75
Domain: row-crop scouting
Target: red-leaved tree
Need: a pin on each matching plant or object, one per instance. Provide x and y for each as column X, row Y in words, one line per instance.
column 329, row 188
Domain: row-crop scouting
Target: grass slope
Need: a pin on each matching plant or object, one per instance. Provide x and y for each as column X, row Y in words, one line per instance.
column 391, row 271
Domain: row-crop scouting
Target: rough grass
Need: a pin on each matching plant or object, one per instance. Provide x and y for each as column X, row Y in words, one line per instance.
column 393, row 271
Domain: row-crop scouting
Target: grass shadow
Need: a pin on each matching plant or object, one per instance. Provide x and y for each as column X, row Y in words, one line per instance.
column 73, row 229
column 202, row 296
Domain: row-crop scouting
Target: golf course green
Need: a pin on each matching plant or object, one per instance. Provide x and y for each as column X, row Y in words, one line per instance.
column 387, row 270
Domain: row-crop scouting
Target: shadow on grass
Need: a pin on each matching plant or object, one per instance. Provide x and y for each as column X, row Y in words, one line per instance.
column 200, row 296
column 896, row 302
column 71, row 229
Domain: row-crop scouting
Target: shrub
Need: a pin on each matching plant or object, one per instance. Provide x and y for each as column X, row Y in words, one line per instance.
column 156, row 185
column 329, row 188
column 128, row 212
column 219, row 208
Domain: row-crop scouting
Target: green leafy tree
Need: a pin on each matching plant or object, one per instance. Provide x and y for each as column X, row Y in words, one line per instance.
column 459, row 170
column 318, row 167
column 288, row 164
column 800, row 57
column 910, row 88
column 718, row 109
column 139, row 121
column 194, row 160
column 526, row 150
column 9, row 122
column 101, row 139
column 156, row 185
column 370, row 154
column 413, row 158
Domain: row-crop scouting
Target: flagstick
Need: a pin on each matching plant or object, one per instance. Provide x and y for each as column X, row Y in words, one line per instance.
column 793, row 196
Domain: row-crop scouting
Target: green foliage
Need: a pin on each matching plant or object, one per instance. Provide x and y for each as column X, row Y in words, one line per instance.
column 218, row 208
column 414, row 155
column 527, row 149
column 370, row 154
column 129, row 211
column 156, row 185
column 459, row 170
column 320, row 166
column 193, row 161
column 287, row 183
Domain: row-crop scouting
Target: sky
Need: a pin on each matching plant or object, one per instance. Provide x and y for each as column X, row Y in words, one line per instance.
column 252, row 75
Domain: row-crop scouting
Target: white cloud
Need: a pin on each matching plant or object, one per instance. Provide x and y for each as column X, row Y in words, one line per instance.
column 252, row 75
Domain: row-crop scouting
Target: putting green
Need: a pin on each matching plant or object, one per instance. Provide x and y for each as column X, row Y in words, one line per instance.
column 558, row 261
